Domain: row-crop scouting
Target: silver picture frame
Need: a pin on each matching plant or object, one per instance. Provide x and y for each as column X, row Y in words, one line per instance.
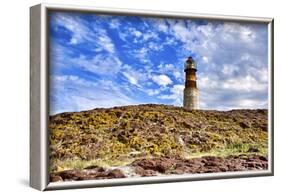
column 39, row 109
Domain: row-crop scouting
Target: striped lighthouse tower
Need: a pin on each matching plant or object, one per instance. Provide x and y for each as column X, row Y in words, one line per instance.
column 191, row 93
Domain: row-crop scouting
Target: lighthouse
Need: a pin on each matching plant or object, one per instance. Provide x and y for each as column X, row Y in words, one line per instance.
column 191, row 93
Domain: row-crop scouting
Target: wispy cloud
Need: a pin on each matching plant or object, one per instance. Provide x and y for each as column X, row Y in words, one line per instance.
column 162, row 80
column 72, row 93
column 104, row 61
column 83, row 31
column 102, row 64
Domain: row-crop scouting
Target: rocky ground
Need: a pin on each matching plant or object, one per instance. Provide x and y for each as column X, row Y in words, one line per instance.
column 152, row 140
column 166, row 166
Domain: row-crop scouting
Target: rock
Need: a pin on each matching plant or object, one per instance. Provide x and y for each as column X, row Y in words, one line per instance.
column 211, row 163
column 116, row 173
column 182, row 169
column 70, row 174
column 251, row 149
column 153, row 166
column 264, row 127
column 144, row 173
column 86, row 174
column 96, row 168
column 188, row 125
column 156, row 164
column 244, row 124
column 55, row 178
column 262, row 158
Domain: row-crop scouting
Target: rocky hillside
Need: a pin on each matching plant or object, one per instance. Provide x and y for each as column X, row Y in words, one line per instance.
column 105, row 141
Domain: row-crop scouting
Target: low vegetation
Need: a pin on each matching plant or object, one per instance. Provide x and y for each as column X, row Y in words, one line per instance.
column 119, row 136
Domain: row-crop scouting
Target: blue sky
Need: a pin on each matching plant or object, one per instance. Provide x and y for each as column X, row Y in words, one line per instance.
column 106, row 61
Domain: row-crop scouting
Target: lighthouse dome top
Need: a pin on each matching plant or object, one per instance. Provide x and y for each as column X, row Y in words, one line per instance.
column 190, row 64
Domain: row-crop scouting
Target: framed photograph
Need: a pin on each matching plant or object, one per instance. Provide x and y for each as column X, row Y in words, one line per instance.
column 123, row 97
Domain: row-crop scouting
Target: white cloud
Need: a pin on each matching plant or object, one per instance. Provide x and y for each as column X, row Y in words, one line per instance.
column 177, row 90
column 159, row 24
column 107, row 44
column 229, row 69
column 74, row 24
column 72, row 93
column 232, row 93
column 171, row 41
column 181, row 32
column 131, row 79
column 137, row 77
column 150, row 35
column 162, row 26
column 114, row 24
column 82, row 33
column 231, row 57
column 136, row 33
column 155, row 46
column 205, row 59
column 176, row 94
column 251, row 103
column 73, row 40
column 152, row 92
column 244, row 84
column 166, row 67
column 171, row 69
column 177, row 74
column 59, row 57
column 232, row 61
column 162, row 80
column 100, row 64
column 141, row 54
